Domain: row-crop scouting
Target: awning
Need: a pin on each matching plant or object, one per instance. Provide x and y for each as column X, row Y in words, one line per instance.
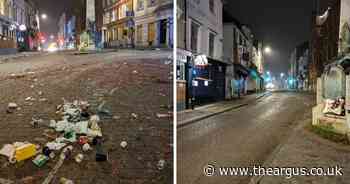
column 241, row 70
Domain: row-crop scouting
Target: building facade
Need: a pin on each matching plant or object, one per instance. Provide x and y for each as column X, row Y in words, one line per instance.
column 19, row 26
column 118, row 24
column 245, row 57
column 325, row 36
column 62, row 31
column 200, row 67
column 153, row 23
column 299, row 67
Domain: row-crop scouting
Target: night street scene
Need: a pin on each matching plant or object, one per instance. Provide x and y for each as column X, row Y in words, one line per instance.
column 263, row 92
column 86, row 91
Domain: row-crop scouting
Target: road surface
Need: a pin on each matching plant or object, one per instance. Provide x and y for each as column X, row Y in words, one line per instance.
column 240, row 138
column 133, row 85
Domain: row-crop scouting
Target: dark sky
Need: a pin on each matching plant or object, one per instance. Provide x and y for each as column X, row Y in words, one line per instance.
column 281, row 24
column 53, row 9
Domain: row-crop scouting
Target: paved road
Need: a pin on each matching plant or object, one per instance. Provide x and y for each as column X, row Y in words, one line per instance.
column 243, row 137
column 68, row 59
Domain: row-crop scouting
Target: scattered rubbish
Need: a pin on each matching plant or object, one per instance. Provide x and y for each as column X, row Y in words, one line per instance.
column 102, row 111
column 134, row 115
column 55, row 145
column 70, row 136
column 46, row 151
column 43, row 100
column 17, row 76
column 52, row 173
column 66, row 181
column 83, row 140
column 40, row 93
column 40, row 160
column 116, row 117
column 67, row 151
column 52, row 124
column 94, row 130
column 161, row 164
column 31, row 86
column 52, row 155
column 86, row 147
column 8, row 150
column 79, row 158
column 135, row 72
column 123, row 144
column 96, row 141
column 11, row 107
column 101, row 154
column 29, row 98
column 24, row 152
column 163, row 115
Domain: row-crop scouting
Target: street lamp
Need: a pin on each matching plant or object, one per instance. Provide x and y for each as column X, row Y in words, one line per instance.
column 282, row 75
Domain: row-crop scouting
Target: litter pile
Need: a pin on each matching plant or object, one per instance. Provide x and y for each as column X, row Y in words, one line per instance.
column 76, row 128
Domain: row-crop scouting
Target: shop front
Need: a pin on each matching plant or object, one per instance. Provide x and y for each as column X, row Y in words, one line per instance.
column 182, row 76
column 207, row 78
column 239, row 83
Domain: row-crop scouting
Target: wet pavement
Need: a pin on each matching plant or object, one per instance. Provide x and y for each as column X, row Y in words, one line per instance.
column 240, row 138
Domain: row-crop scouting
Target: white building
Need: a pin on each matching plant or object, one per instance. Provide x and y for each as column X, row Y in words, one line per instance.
column 245, row 57
column 205, row 28
column 153, row 23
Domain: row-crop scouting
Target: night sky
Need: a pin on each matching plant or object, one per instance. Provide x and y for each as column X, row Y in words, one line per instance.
column 53, row 9
column 280, row 24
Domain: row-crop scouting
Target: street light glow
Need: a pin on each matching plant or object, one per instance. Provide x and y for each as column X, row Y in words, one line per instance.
column 44, row 16
column 282, row 75
column 267, row 50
